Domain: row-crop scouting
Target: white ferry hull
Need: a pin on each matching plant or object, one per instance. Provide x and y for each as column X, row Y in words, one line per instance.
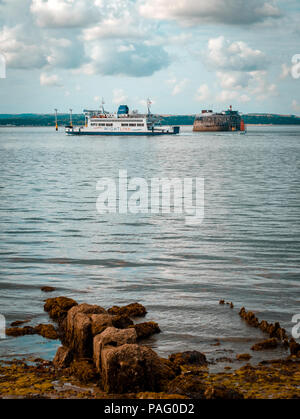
column 78, row 131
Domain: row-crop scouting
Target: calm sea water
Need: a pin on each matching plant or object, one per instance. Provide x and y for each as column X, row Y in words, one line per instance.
column 245, row 251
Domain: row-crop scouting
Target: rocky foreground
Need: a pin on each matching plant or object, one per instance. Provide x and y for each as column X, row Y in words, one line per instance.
column 102, row 357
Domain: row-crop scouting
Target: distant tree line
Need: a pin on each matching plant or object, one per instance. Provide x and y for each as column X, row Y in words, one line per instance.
column 78, row 119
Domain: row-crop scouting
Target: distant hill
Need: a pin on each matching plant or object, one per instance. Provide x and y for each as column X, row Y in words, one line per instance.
column 78, row 119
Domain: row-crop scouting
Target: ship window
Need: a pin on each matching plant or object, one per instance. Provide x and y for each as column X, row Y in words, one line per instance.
column 140, row 125
column 124, row 125
column 109, row 125
column 132, row 125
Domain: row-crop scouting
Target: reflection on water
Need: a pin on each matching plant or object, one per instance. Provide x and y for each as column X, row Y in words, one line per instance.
column 245, row 251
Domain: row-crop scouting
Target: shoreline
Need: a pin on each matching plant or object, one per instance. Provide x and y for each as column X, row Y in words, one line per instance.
column 75, row 372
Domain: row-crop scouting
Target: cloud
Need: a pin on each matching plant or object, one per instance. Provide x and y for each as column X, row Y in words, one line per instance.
column 231, row 95
column 203, row 93
column 195, row 12
column 240, row 72
column 125, row 27
column 50, row 80
column 236, row 56
column 137, row 60
column 119, row 96
column 285, row 71
column 177, row 85
column 65, row 53
column 64, row 13
column 20, row 51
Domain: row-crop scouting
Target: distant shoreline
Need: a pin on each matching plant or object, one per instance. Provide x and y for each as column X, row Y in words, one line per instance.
column 41, row 120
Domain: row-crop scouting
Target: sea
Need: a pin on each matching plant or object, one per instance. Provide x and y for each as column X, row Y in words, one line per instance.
column 245, row 250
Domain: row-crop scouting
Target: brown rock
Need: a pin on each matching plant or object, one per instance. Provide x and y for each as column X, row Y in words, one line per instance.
column 221, row 392
column 188, row 358
column 266, row 344
column 243, row 357
column 63, row 357
column 47, row 289
column 131, row 310
column 78, row 329
column 20, row 331
column 144, row 330
column 121, row 321
column 294, row 347
column 79, row 336
column 47, row 331
column 132, row 368
column 222, row 302
column 189, row 385
column 264, row 326
column 58, row 307
column 19, row 323
column 111, row 337
column 100, row 322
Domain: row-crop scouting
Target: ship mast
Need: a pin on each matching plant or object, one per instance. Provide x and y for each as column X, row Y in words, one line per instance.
column 149, row 103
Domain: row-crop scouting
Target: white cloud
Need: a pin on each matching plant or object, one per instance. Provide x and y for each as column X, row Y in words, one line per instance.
column 119, row 97
column 240, row 71
column 236, row 56
column 50, row 80
column 64, row 13
column 203, row 93
column 194, row 12
column 21, row 51
column 232, row 95
column 178, row 86
column 125, row 27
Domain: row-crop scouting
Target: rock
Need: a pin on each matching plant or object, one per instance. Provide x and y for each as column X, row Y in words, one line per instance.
column 222, row 302
column 78, row 329
column 79, row 336
column 47, row 331
column 63, row 357
column 266, row 344
column 121, row 321
column 131, row 310
column 58, row 307
column 189, row 385
column 221, row 392
column 111, row 337
column 47, row 289
column 146, row 329
column 294, row 347
column 20, row 331
column 84, row 371
column 100, row 322
column 243, row 357
column 188, row 358
column 19, row 323
column 132, row 368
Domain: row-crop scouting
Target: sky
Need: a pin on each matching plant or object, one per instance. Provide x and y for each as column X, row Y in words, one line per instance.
column 185, row 55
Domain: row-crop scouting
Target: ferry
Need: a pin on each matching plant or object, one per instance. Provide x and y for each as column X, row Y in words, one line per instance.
column 123, row 122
